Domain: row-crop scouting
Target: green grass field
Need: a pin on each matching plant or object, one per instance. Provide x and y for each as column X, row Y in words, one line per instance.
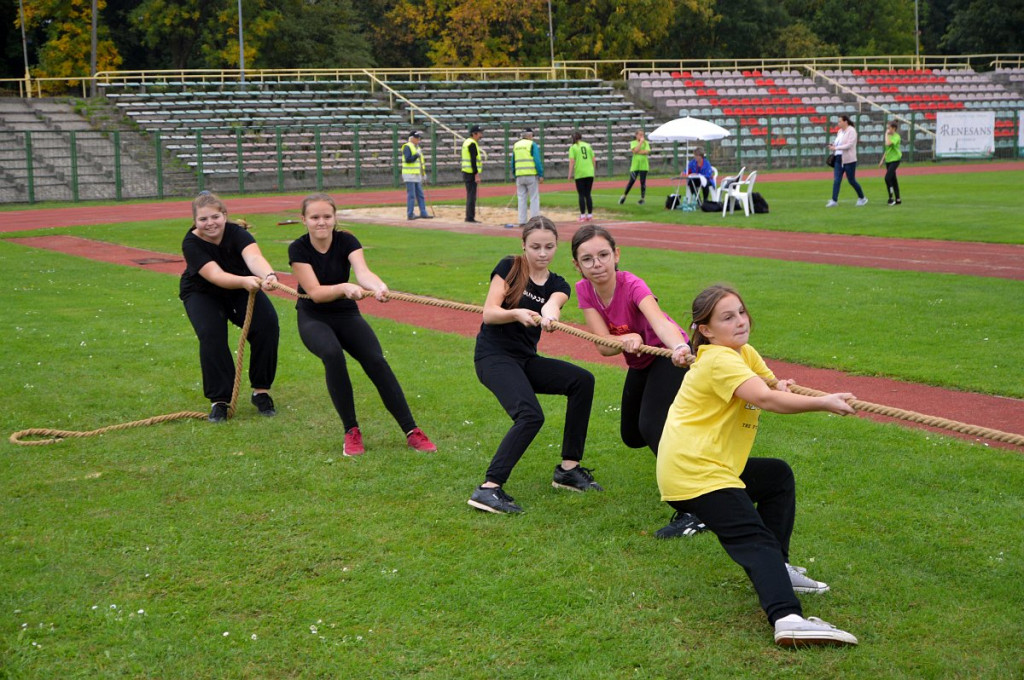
column 256, row 550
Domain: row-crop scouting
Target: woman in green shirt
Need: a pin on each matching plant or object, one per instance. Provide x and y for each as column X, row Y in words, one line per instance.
column 891, row 158
column 639, row 150
column 582, row 168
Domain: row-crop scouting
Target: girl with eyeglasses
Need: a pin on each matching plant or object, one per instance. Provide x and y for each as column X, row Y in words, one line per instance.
column 619, row 305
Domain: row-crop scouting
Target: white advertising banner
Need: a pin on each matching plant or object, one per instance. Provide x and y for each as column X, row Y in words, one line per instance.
column 965, row 133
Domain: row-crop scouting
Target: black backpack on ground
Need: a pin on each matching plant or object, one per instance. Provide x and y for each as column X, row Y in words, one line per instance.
column 760, row 205
column 711, row 206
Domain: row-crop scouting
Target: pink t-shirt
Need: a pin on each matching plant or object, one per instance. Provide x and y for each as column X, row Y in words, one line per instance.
column 623, row 315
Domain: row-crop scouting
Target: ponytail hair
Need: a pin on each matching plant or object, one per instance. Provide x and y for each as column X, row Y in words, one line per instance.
column 703, row 308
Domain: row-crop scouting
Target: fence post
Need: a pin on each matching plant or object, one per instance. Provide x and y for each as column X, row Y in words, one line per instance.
column 1016, row 133
column 117, row 164
column 768, row 143
column 611, row 151
column 913, row 136
column 799, row 141
column 359, row 157
column 319, row 149
column 433, row 154
column 28, row 166
column 159, row 164
column 395, row 175
column 739, row 141
column 74, row 166
column 239, row 163
column 505, row 160
column 280, row 158
column 201, row 176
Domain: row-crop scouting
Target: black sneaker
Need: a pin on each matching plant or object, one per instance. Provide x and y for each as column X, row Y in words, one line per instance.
column 682, row 524
column 473, row 221
column 622, row 199
column 426, row 217
column 640, row 202
column 493, row 499
column 218, row 412
column 264, row 403
column 576, row 479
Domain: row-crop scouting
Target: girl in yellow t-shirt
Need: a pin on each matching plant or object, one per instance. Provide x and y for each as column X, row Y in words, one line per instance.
column 704, row 463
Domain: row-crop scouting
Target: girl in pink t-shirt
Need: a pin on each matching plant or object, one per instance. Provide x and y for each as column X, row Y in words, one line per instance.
column 619, row 305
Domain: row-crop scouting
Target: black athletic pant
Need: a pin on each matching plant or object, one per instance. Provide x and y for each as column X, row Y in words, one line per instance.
column 329, row 336
column 209, row 315
column 469, row 179
column 695, row 185
column 890, row 180
column 516, row 383
column 642, row 174
column 756, row 538
column 647, row 395
column 583, row 187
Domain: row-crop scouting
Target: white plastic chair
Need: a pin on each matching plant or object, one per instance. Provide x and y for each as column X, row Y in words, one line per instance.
column 717, row 190
column 740, row 192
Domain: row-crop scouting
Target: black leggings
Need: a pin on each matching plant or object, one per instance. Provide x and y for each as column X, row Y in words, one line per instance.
column 647, row 395
column 890, row 179
column 329, row 336
column 642, row 174
column 209, row 315
column 757, row 539
column 516, row 382
column 583, row 188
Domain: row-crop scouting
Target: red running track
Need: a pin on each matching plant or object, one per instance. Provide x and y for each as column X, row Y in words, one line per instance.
column 975, row 259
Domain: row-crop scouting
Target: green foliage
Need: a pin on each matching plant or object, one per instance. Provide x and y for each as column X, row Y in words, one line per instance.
column 68, row 48
column 985, row 26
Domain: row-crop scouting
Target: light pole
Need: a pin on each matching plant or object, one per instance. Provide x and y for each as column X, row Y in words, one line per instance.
column 917, row 37
column 24, row 49
column 92, row 54
column 551, row 38
column 241, row 45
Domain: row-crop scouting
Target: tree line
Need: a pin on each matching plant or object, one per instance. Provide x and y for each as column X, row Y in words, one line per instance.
column 193, row 34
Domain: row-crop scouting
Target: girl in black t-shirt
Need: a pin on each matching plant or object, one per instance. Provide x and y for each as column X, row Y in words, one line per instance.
column 223, row 265
column 330, row 323
column 524, row 297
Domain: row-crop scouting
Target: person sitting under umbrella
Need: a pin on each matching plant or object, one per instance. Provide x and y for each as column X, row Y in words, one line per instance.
column 699, row 174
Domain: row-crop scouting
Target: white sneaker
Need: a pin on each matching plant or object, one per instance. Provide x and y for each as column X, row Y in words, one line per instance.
column 795, row 631
column 831, row 204
column 622, row 199
column 590, row 216
column 862, row 201
column 802, row 583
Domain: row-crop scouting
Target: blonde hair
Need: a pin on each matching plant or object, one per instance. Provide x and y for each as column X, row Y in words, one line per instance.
column 313, row 198
column 205, row 199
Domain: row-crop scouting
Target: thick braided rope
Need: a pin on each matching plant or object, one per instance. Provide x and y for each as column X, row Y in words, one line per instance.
column 859, row 405
column 53, row 436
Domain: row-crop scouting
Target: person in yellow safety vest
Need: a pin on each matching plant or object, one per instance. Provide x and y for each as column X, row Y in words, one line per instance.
column 472, row 164
column 528, row 168
column 413, row 170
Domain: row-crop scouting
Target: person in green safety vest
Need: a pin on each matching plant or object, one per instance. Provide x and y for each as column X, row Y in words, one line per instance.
column 413, row 170
column 528, row 168
column 472, row 165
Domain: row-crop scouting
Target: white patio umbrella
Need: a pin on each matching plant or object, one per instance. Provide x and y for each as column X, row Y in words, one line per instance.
column 688, row 130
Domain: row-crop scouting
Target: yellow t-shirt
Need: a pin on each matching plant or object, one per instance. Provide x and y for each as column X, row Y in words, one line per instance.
column 709, row 431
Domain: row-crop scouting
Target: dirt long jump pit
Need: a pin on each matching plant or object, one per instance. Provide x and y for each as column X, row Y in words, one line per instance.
column 453, row 216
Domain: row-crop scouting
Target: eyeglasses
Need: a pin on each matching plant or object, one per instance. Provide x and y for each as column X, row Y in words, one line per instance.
column 587, row 262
